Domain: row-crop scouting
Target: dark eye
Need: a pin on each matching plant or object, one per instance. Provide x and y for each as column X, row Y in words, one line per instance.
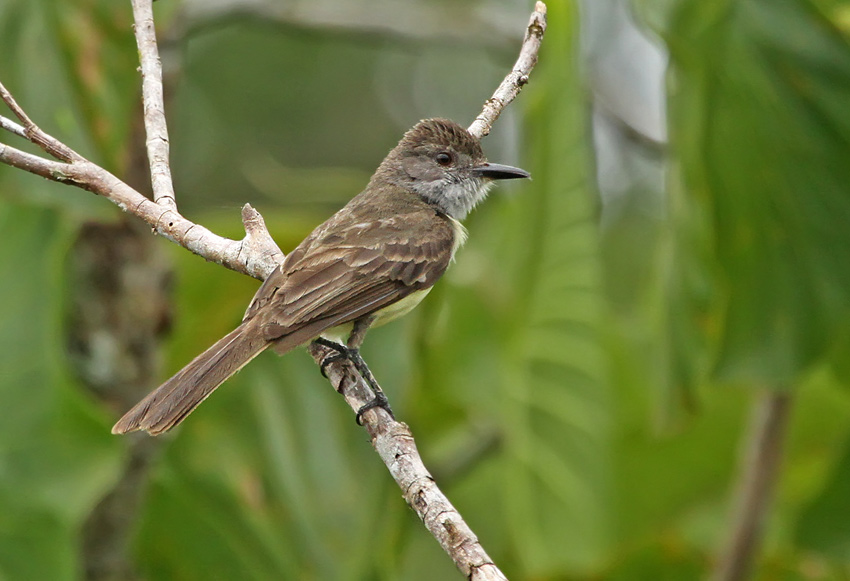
column 443, row 158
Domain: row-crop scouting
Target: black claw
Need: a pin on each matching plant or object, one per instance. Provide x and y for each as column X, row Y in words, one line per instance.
column 379, row 401
column 323, row 367
column 342, row 352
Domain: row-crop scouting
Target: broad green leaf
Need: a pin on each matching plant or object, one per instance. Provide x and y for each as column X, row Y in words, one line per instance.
column 556, row 408
column 758, row 121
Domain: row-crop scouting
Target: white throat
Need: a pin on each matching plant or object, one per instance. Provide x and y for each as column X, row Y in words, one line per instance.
column 455, row 196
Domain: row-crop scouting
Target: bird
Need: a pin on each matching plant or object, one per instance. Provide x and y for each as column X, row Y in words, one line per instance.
column 371, row 262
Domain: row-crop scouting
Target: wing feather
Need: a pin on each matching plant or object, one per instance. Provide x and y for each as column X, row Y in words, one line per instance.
column 367, row 267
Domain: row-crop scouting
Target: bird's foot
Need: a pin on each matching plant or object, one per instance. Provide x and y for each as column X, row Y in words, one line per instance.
column 379, row 401
column 353, row 355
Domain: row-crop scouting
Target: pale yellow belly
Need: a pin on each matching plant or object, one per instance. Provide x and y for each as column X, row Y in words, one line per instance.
column 400, row 308
column 340, row 333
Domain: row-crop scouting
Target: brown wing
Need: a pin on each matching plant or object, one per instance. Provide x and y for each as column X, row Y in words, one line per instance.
column 340, row 274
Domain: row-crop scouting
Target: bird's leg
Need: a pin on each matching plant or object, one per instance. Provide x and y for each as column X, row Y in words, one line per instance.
column 351, row 351
column 358, row 333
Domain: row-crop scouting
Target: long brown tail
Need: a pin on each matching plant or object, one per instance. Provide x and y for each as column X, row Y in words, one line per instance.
column 171, row 402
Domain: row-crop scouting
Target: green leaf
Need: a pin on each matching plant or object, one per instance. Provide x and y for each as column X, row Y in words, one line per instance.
column 556, row 405
column 758, row 120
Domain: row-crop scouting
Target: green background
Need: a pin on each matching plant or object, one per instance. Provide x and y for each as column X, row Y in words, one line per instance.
column 581, row 396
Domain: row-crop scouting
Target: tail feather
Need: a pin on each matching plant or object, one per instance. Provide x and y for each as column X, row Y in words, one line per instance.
column 170, row 403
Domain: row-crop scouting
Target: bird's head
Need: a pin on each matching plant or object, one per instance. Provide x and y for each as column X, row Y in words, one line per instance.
column 444, row 164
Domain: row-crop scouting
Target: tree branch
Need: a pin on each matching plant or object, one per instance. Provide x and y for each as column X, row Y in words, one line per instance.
column 394, row 443
column 759, row 469
column 257, row 255
column 12, row 127
column 517, row 78
column 154, row 104
column 32, row 133
column 258, row 262
column 74, row 169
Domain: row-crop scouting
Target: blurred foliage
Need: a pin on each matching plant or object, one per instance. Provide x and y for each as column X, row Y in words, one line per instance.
column 760, row 128
column 535, row 374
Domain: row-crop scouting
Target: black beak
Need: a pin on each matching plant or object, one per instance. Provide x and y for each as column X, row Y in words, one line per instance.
column 497, row 171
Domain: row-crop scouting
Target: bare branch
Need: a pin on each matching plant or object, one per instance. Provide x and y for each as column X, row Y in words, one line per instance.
column 517, row 78
column 263, row 257
column 154, row 104
column 394, row 443
column 50, row 145
column 12, row 127
column 31, row 163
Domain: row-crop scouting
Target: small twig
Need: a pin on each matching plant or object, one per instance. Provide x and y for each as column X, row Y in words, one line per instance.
column 258, row 247
column 156, row 128
column 15, row 108
column 12, row 127
column 32, row 133
column 759, row 469
column 517, row 78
